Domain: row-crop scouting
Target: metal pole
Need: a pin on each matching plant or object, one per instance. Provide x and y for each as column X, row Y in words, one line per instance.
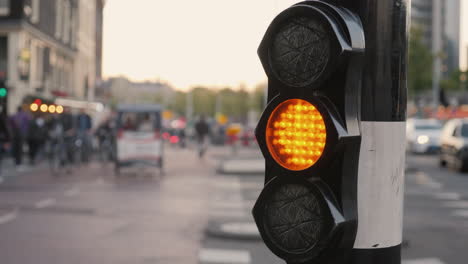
column 436, row 49
column 383, row 118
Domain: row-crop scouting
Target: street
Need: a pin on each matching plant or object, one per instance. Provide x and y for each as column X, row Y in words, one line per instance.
column 194, row 213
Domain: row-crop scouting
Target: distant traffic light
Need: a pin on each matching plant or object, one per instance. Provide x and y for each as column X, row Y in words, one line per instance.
column 309, row 133
column 3, row 92
column 3, row 97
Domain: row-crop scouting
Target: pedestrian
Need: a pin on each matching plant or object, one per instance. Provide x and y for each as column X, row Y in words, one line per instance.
column 19, row 123
column 37, row 135
column 202, row 131
column 5, row 137
column 83, row 125
column 67, row 125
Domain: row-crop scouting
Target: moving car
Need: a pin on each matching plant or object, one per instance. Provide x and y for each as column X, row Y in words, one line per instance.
column 423, row 135
column 454, row 144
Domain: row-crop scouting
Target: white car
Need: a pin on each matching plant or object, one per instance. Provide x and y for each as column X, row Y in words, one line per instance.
column 423, row 135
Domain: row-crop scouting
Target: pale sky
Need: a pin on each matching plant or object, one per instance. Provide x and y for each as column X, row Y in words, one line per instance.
column 187, row 42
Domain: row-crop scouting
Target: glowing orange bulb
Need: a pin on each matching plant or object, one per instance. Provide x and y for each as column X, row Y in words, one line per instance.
column 296, row 134
column 44, row 108
column 34, row 107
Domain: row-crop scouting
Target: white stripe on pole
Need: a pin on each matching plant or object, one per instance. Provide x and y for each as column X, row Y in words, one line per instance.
column 381, row 185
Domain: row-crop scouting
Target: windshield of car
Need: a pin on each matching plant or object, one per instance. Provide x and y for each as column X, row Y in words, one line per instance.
column 464, row 131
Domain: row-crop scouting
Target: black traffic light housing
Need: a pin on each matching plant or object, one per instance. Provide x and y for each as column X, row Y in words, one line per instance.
column 313, row 51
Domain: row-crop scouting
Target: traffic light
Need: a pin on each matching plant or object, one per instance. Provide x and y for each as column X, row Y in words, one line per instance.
column 309, row 133
column 333, row 132
column 3, row 97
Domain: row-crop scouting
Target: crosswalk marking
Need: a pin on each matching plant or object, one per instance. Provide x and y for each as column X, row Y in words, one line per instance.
column 447, row 196
column 8, row 217
column 45, row 203
column 72, row 192
column 462, row 213
column 423, row 179
column 423, row 261
column 457, row 204
column 207, row 255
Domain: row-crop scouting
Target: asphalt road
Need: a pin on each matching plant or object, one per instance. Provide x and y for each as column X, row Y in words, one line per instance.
column 90, row 216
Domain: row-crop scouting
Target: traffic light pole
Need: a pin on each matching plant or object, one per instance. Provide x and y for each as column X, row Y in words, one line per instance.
column 383, row 117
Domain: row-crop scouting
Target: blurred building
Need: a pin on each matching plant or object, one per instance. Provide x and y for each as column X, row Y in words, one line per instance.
column 122, row 90
column 50, row 48
column 444, row 30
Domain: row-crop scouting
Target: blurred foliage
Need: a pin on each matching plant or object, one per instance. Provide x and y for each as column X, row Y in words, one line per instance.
column 234, row 103
column 420, row 63
column 456, row 81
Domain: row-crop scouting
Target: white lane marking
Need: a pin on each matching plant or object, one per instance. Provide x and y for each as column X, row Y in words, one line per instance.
column 72, row 192
column 240, row 228
column 44, row 203
column 457, row 204
column 228, row 213
column 423, row 179
column 207, row 255
column 447, row 196
column 423, row 261
column 8, row 217
column 99, row 181
column 462, row 213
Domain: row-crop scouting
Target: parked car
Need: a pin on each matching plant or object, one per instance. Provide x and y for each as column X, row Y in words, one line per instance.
column 423, row 135
column 454, row 145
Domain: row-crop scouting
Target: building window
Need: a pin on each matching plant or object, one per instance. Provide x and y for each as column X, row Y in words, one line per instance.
column 36, row 11
column 4, row 7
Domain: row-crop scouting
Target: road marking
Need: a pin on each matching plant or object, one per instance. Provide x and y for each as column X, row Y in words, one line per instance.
column 207, row 255
column 457, row 204
column 423, row 179
column 72, row 192
column 462, row 213
column 45, row 203
column 247, row 228
column 447, row 196
column 423, row 261
column 228, row 213
column 8, row 217
column 99, row 181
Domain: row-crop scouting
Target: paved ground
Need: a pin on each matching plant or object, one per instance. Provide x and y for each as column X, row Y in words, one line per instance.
column 91, row 216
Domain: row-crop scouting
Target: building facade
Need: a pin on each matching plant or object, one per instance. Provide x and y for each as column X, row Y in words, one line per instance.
column 442, row 23
column 48, row 48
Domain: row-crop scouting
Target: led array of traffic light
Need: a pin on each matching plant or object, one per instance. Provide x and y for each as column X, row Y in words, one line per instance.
column 296, row 134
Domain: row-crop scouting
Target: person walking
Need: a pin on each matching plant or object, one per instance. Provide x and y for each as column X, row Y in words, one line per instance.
column 5, row 137
column 19, row 123
column 202, row 131
column 37, row 135
column 84, row 125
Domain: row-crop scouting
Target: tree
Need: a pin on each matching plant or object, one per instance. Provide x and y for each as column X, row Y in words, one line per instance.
column 420, row 63
column 456, row 81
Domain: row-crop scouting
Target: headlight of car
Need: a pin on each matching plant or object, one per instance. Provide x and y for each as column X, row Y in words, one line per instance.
column 423, row 139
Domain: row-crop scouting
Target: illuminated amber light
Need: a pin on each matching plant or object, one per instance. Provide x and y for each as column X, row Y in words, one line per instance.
column 52, row 109
column 44, row 108
column 296, row 134
column 59, row 109
column 34, row 107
